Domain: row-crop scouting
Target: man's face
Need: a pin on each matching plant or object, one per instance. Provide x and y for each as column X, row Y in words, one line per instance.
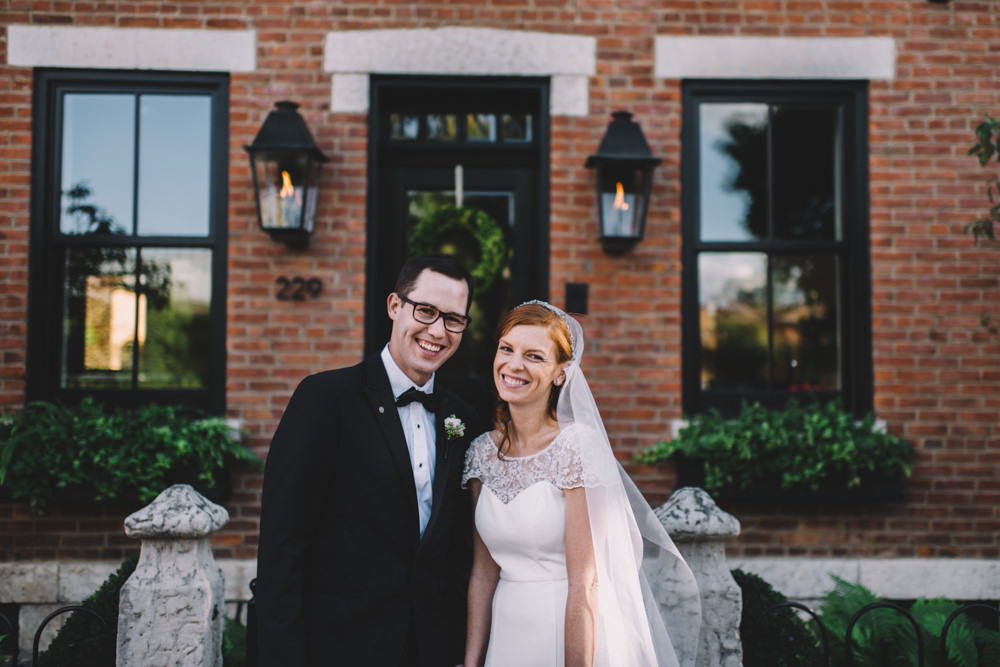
column 420, row 349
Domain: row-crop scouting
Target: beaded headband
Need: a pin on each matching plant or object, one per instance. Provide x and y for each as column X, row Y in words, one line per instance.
column 566, row 318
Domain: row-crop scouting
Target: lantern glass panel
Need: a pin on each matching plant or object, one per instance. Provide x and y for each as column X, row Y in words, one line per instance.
column 281, row 189
column 622, row 203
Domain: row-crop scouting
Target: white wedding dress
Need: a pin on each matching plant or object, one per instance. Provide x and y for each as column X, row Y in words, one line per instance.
column 521, row 517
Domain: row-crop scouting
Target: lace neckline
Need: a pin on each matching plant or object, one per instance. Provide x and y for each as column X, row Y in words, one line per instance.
column 524, row 457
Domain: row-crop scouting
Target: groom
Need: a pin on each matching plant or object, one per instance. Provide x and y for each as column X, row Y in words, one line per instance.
column 364, row 530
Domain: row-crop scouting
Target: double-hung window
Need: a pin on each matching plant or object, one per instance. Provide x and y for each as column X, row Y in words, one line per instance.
column 128, row 240
column 776, row 286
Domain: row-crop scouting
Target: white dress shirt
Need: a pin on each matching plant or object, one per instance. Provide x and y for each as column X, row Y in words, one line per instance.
column 418, row 426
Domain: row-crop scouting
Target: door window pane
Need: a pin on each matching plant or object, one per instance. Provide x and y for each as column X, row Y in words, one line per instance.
column 442, row 127
column 733, row 314
column 805, row 172
column 517, row 127
column 481, row 127
column 97, row 176
column 471, row 366
column 404, row 127
column 806, row 323
column 177, row 286
column 174, row 149
column 732, row 166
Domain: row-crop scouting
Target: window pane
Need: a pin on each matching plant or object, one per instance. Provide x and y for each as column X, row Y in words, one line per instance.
column 733, row 318
column 806, row 326
column 176, row 286
column 404, row 127
column 100, row 319
column 98, row 151
column 481, row 127
column 804, row 164
column 517, row 127
column 442, row 127
column 732, row 171
column 174, row 162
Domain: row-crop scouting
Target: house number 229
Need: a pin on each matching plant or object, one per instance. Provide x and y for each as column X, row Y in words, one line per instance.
column 298, row 288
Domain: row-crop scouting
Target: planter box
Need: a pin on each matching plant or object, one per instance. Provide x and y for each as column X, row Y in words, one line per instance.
column 874, row 488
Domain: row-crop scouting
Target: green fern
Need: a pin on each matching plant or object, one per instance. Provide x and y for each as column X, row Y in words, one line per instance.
column 886, row 624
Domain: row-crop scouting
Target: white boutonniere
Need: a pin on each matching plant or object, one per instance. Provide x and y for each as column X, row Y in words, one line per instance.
column 454, row 427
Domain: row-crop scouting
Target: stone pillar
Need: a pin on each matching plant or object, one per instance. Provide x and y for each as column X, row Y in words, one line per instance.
column 700, row 529
column 171, row 608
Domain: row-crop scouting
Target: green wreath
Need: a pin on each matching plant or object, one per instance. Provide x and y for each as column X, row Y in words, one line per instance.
column 492, row 245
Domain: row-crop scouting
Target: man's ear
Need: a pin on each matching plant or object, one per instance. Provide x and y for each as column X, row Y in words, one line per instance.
column 392, row 304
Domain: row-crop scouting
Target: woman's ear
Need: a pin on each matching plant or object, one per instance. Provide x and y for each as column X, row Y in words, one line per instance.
column 560, row 378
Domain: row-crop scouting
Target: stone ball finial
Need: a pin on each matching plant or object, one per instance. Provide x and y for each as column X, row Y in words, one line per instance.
column 178, row 512
column 691, row 515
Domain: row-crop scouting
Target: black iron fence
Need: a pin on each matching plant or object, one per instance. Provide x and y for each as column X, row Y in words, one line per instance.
column 7, row 627
column 889, row 649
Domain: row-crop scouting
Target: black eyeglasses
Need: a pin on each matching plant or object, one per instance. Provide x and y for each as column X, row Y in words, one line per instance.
column 428, row 314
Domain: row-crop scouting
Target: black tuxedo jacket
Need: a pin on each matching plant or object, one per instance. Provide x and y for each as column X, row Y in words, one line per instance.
column 343, row 576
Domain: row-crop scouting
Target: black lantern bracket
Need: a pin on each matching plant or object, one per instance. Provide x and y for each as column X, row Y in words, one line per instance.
column 624, row 165
column 285, row 165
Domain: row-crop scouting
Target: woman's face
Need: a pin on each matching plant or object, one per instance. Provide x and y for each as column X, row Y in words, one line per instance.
column 525, row 366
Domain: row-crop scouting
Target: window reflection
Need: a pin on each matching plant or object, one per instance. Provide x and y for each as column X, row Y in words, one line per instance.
column 442, row 127
column 732, row 171
column 174, row 164
column 517, row 127
column 98, row 149
column 481, row 127
column 806, row 338
column 100, row 317
column 805, row 169
column 733, row 314
column 164, row 324
column 178, row 283
column 404, row 127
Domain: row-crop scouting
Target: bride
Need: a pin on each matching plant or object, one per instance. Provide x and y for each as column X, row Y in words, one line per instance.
column 562, row 537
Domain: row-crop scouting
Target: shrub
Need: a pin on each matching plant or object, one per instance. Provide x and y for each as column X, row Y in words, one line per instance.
column 777, row 638
column 798, row 447
column 91, row 452
column 81, row 641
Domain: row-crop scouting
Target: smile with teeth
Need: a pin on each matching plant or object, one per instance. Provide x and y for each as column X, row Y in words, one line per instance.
column 430, row 347
column 513, row 381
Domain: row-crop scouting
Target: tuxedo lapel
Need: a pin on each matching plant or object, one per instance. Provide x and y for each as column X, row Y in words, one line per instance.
column 383, row 406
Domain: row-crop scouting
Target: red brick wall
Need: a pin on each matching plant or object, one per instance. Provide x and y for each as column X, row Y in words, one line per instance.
column 937, row 373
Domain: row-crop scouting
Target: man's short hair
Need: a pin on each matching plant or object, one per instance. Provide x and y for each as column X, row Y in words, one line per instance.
column 446, row 265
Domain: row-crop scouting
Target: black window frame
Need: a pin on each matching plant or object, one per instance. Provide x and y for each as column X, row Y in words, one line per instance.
column 853, row 248
column 46, row 275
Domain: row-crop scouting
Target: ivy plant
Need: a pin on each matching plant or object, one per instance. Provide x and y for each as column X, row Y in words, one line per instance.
column 987, row 148
column 799, row 447
column 50, row 451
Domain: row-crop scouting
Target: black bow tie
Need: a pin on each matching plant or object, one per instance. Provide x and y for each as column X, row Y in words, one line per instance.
column 429, row 401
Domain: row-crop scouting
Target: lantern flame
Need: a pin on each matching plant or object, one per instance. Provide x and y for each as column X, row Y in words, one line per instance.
column 620, row 203
column 286, row 185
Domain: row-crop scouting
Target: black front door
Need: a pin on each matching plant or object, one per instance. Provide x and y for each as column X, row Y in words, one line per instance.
column 478, row 145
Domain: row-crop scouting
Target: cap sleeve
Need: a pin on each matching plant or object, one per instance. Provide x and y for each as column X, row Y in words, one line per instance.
column 474, row 459
column 575, row 460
